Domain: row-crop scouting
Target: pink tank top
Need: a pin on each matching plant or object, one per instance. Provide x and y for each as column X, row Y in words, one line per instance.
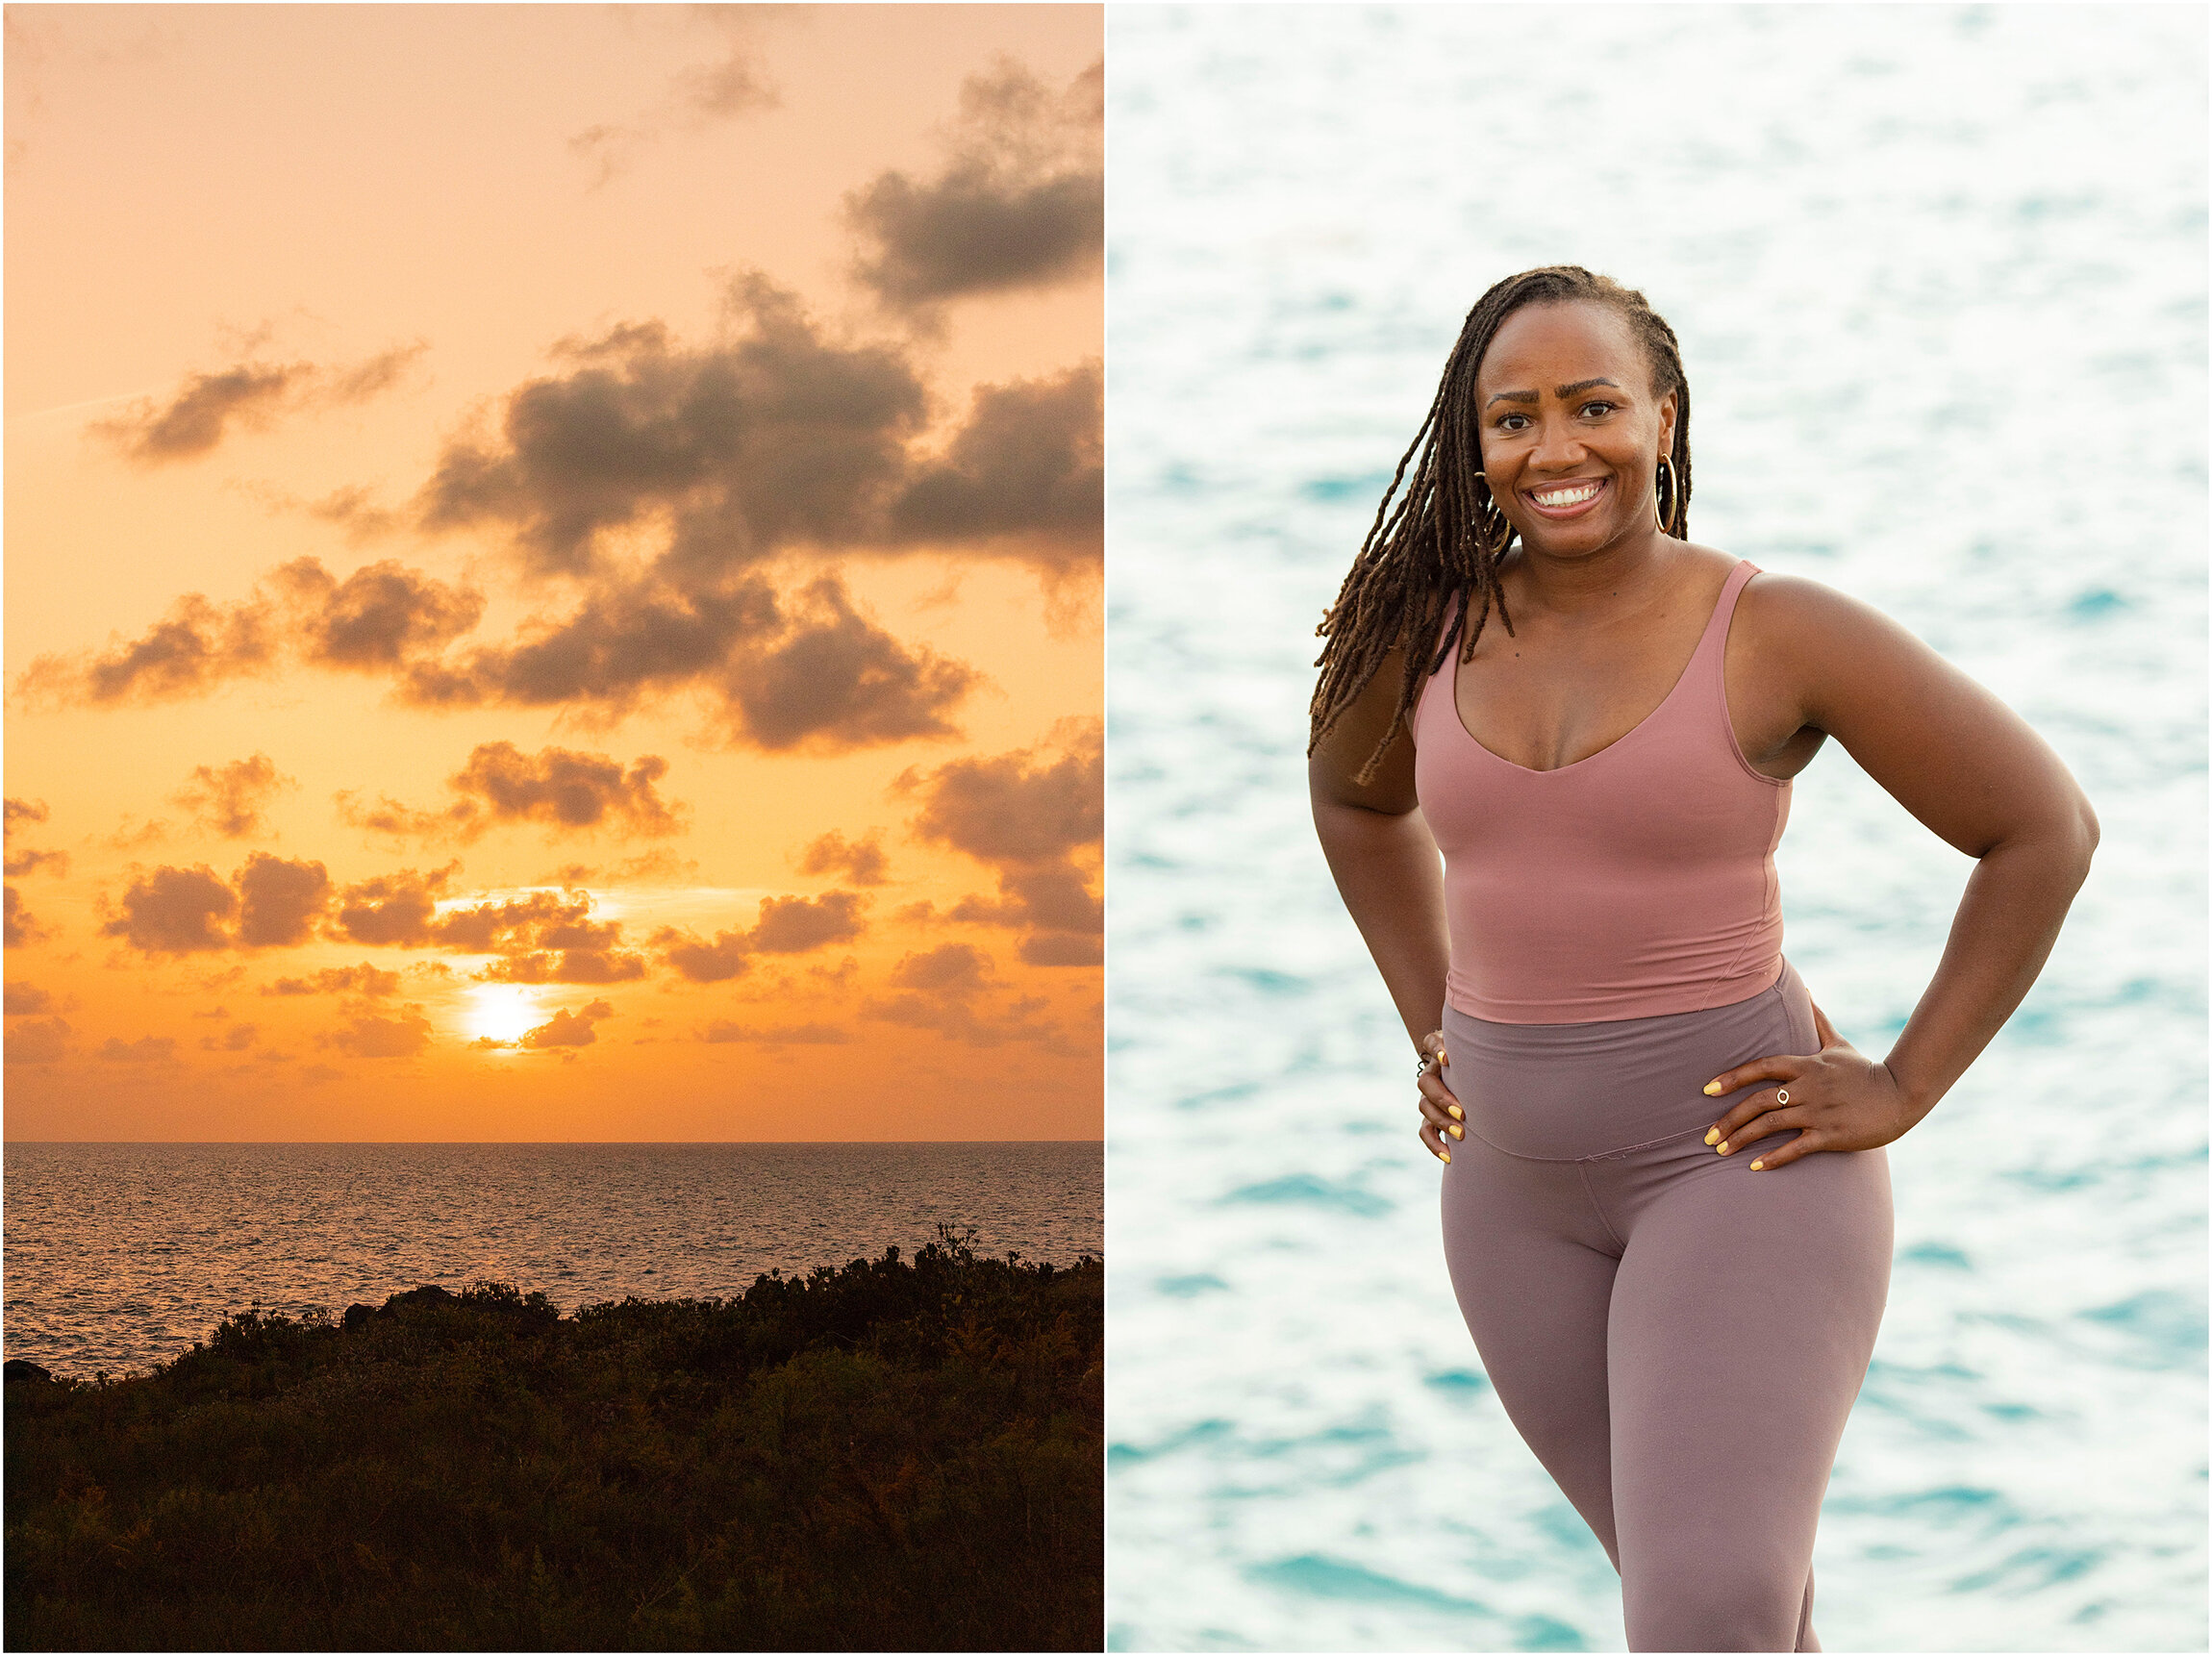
column 1635, row 882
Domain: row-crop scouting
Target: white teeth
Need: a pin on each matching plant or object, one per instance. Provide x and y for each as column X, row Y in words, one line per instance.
column 1574, row 496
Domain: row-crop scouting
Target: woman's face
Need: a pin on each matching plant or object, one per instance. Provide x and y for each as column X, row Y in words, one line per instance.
column 1571, row 436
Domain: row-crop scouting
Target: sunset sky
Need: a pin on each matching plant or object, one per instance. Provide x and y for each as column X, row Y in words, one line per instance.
column 552, row 572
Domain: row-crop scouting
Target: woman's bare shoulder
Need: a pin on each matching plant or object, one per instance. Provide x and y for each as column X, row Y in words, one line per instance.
column 1795, row 613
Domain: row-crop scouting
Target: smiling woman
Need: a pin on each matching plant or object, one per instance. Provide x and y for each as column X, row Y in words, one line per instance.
column 1606, row 773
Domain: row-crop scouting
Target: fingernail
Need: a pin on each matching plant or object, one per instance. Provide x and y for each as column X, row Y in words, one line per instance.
column 1712, row 1087
column 1757, row 1166
column 1458, row 1132
column 1442, row 1056
column 1724, row 1146
column 1445, row 1154
column 1455, row 1113
column 1712, row 1135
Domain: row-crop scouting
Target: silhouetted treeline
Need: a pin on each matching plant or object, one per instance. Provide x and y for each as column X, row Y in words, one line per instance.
column 894, row 1455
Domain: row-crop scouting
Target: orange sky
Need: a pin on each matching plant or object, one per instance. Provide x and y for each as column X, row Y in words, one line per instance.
column 552, row 572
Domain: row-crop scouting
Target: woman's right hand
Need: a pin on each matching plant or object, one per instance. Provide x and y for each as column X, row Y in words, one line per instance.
column 1441, row 1117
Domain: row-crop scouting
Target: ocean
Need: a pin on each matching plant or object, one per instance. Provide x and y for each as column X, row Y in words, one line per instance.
column 119, row 1256
column 1939, row 276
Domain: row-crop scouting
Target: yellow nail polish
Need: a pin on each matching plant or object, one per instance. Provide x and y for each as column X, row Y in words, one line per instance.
column 1455, row 1113
column 1757, row 1166
column 1448, row 1156
column 1458, row 1132
column 1724, row 1146
column 1712, row 1135
column 1712, row 1087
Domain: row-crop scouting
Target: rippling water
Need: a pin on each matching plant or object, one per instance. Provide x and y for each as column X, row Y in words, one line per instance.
column 119, row 1256
column 1939, row 277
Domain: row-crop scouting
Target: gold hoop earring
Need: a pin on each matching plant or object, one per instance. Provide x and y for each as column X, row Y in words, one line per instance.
column 1662, row 480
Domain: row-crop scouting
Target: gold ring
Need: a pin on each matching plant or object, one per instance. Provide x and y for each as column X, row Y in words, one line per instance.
column 1781, row 1094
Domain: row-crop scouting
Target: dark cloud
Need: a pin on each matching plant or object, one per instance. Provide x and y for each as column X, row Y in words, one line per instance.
column 774, row 437
column 942, row 991
column 567, row 789
column 542, row 937
column 835, row 680
column 176, row 911
column 367, row 1035
column 731, row 86
column 188, row 911
column 29, row 861
column 228, row 799
column 566, row 966
column 194, row 648
column 542, row 920
column 1028, row 470
column 787, row 926
column 728, row 956
column 723, row 1031
column 793, row 925
column 562, row 790
column 860, row 861
column 1019, row 202
column 146, row 1049
column 394, row 910
column 569, row 1028
column 280, row 902
column 19, row 998
column 22, row 926
column 809, row 673
column 951, row 970
column 1030, row 815
column 377, row 619
column 236, row 1038
column 362, row 980
column 546, row 937
column 38, row 1041
column 733, row 465
column 192, row 421
column 200, row 413
column 659, row 864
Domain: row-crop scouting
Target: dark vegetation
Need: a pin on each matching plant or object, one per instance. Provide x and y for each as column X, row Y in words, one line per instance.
column 894, row 1455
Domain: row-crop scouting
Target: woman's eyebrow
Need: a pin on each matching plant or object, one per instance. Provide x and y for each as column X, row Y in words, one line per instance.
column 1556, row 390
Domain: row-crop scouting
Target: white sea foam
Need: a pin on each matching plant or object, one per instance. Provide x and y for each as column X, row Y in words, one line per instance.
column 1939, row 277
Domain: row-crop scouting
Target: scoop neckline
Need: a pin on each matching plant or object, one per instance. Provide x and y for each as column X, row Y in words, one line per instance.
column 1676, row 689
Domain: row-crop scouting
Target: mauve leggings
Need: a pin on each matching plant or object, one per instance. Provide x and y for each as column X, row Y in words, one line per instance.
column 1677, row 1338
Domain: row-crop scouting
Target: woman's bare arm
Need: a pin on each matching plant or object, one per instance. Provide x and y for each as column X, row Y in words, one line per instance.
column 1381, row 851
column 1976, row 774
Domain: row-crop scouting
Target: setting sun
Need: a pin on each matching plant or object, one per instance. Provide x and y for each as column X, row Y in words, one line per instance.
column 502, row 1012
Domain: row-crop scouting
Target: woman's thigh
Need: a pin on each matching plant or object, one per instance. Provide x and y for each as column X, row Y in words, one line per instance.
column 1533, row 1271
column 1743, row 1315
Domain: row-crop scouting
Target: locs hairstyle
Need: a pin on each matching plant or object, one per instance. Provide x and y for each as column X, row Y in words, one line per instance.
column 1443, row 543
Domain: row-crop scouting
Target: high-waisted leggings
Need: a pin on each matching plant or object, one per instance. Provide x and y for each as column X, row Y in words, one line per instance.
column 1676, row 1337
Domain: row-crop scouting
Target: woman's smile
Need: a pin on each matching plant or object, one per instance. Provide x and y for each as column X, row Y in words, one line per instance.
column 1565, row 499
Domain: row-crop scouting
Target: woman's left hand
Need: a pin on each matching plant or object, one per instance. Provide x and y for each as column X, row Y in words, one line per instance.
column 1838, row 1098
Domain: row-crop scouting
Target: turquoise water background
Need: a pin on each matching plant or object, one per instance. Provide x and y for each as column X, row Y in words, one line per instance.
column 1939, row 274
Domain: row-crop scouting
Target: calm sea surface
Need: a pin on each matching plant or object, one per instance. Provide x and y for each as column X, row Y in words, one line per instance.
column 119, row 1256
column 1939, row 276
